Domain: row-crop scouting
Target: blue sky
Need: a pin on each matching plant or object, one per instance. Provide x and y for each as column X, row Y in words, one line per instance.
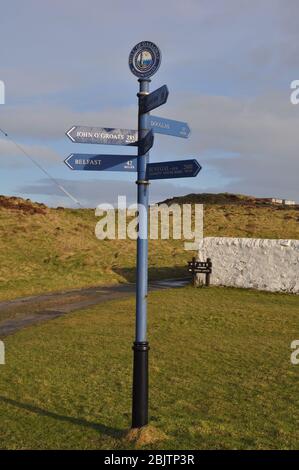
column 228, row 65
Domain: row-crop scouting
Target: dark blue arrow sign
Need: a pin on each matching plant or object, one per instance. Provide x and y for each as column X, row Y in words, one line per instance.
column 153, row 100
column 146, row 144
column 102, row 135
column 88, row 162
column 179, row 169
column 169, row 127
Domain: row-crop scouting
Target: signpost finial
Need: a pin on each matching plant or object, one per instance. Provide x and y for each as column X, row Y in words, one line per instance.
column 144, row 59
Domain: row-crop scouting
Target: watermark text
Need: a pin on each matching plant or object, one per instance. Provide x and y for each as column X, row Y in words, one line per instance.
column 174, row 221
column 2, row 353
column 2, row 92
column 295, row 353
column 295, row 94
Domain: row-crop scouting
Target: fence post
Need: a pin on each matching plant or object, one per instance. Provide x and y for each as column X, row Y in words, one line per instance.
column 193, row 272
column 208, row 275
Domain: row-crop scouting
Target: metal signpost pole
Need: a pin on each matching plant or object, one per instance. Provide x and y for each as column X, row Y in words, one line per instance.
column 144, row 61
column 141, row 346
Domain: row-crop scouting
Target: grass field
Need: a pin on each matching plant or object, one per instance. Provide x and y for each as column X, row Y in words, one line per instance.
column 220, row 375
column 46, row 249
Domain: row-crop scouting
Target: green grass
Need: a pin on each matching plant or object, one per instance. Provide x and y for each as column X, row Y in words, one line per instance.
column 220, row 374
column 58, row 250
column 54, row 249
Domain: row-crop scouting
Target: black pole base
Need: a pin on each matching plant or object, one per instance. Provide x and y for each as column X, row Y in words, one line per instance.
column 140, row 384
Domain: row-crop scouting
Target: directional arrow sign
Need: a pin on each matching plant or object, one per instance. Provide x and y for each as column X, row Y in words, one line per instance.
column 102, row 135
column 169, row 127
column 146, row 144
column 178, row 169
column 83, row 161
column 154, row 99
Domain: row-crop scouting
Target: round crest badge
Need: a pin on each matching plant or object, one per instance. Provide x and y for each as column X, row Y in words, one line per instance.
column 144, row 59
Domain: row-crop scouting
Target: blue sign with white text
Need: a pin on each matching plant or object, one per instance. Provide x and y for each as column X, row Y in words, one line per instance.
column 169, row 127
column 102, row 135
column 91, row 162
column 153, row 100
column 178, row 169
column 146, row 143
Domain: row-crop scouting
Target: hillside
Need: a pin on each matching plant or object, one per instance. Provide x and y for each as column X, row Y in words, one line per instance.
column 238, row 215
column 223, row 198
column 44, row 249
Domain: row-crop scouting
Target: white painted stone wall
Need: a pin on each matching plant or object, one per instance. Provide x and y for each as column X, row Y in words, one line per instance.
column 271, row 265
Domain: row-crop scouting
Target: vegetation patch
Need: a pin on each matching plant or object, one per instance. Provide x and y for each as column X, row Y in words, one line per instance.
column 220, row 375
column 45, row 250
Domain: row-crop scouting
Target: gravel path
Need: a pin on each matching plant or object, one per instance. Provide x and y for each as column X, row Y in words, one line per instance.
column 28, row 311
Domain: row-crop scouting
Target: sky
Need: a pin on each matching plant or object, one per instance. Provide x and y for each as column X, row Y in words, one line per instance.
column 228, row 65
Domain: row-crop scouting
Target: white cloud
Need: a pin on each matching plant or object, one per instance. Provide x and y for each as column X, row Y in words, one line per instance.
column 12, row 156
column 226, row 62
column 259, row 134
column 92, row 192
column 44, row 121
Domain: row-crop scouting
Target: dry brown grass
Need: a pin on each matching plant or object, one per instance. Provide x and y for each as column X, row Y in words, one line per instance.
column 144, row 436
column 55, row 249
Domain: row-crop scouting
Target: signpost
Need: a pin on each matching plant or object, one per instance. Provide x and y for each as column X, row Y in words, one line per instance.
column 144, row 61
column 200, row 267
column 178, row 169
column 91, row 162
column 146, row 143
column 112, row 136
column 102, row 135
column 148, row 102
column 169, row 127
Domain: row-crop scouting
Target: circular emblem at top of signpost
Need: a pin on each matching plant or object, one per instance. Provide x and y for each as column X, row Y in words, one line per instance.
column 144, row 59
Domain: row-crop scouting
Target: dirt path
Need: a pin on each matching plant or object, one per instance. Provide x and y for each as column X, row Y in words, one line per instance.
column 27, row 311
